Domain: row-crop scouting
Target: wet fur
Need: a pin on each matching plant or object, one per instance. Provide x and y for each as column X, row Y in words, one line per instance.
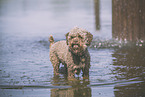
column 72, row 53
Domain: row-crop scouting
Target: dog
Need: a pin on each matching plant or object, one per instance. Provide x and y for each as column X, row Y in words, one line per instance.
column 72, row 53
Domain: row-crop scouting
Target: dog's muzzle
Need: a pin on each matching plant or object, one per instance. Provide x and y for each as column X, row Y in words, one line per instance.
column 75, row 46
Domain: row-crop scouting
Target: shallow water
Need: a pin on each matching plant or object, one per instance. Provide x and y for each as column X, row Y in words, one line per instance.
column 25, row 70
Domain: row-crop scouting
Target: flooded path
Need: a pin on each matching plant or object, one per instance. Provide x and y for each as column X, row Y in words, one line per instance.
column 117, row 69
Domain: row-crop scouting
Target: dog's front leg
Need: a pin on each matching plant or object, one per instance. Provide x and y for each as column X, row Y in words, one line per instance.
column 71, row 75
column 86, row 72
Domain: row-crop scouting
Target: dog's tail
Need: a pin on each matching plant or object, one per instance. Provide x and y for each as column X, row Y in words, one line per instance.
column 51, row 40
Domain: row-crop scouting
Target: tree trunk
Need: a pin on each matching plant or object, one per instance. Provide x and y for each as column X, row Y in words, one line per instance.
column 128, row 19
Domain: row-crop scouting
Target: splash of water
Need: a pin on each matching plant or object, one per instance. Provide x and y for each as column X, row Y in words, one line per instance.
column 100, row 43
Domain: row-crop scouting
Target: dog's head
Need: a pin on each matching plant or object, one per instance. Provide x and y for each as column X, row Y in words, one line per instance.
column 78, row 40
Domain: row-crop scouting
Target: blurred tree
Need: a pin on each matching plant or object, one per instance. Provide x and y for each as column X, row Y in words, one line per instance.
column 97, row 14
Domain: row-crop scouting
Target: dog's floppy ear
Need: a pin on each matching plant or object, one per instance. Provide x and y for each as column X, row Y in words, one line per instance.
column 89, row 38
column 66, row 35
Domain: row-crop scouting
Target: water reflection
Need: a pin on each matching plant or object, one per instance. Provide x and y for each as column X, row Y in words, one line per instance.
column 78, row 88
column 72, row 92
column 131, row 90
column 129, row 64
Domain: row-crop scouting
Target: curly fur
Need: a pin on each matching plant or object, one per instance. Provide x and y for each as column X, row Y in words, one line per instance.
column 72, row 53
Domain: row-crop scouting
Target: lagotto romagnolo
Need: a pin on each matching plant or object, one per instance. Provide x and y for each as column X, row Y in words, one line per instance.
column 72, row 53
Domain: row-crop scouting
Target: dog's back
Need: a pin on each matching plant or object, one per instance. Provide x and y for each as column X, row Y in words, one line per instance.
column 58, row 50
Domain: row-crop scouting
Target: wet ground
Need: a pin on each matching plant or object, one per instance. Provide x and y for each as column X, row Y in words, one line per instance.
column 117, row 69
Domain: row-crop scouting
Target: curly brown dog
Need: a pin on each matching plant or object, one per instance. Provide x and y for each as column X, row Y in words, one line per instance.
column 72, row 53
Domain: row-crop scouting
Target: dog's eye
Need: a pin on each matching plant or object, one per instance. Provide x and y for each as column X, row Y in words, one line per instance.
column 80, row 36
column 72, row 37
